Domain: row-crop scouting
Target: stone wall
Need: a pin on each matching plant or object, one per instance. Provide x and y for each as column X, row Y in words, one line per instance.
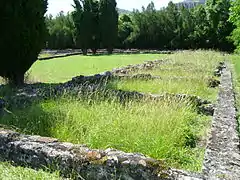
column 81, row 162
column 221, row 159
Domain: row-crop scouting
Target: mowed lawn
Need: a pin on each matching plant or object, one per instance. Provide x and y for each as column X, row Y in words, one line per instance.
column 64, row 69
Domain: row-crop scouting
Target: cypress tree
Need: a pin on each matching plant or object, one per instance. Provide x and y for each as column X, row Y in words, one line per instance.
column 22, row 35
column 108, row 24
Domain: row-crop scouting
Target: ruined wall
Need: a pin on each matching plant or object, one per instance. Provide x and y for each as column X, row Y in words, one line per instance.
column 221, row 160
column 81, row 161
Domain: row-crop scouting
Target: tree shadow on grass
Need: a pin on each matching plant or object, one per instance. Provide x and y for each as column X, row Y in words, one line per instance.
column 32, row 120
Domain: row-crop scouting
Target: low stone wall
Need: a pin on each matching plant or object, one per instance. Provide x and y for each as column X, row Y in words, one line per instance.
column 81, row 162
column 222, row 157
column 83, row 85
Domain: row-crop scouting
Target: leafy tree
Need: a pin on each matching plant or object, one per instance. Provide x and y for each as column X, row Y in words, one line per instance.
column 61, row 31
column 220, row 27
column 185, row 28
column 235, row 19
column 125, row 28
column 171, row 22
column 146, row 28
column 199, row 35
column 22, row 34
column 95, row 32
column 108, row 19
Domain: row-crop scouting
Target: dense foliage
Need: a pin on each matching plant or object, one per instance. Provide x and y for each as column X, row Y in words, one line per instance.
column 22, row 35
column 235, row 18
column 60, row 31
column 108, row 23
column 96, row 24
column 174, row 27
column 86, row 20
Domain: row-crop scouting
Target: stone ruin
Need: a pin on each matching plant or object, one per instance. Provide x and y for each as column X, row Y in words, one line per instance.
column 80, row 162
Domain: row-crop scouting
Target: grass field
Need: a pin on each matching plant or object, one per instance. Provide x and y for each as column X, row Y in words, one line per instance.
column 235, row 59
column 63, row 69
column 163, row 130
column 168, row 129
column 9, row 172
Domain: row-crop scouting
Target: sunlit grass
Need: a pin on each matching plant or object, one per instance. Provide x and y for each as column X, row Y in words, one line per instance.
column 186, row 72
column 235, row 60
column 164, row 130
column 159, row 86
column 9, row 172
column 168, row 129
column 63, row 69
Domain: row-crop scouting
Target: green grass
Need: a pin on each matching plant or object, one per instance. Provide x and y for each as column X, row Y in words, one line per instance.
column 183, row 86
column 63, row 69
column 9, row 172
column 235, row 60
column 164, row 130
column 187, row 73
column 168, row 129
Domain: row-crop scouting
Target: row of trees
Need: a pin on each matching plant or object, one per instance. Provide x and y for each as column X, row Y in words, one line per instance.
column 92, row 25
column 95, row 24
column 205, row 26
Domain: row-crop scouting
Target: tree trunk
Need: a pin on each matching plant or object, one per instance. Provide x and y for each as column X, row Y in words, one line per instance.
column 84, row 51
column 94, row 51
column 16, row 79
column 110, row 50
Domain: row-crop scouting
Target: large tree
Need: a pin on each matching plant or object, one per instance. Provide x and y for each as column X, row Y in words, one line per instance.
column 22, row 35
column 61, row 31
column 108, row 24
column 235, row 18
column 125, row 28
column 220, row 28
column 86, row 19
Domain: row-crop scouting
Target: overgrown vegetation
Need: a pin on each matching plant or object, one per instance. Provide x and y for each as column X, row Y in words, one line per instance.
column 186, row 73
column 169, row 129
column 163, row 130
column 236, row 79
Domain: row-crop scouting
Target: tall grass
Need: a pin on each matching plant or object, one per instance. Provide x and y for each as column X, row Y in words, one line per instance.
column 164, row 130
column 167, row 129
column 183, row 86
column 186, row 72
column 235, row 60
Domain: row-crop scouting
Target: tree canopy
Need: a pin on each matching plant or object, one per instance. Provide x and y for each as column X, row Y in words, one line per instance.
column 97, row 25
